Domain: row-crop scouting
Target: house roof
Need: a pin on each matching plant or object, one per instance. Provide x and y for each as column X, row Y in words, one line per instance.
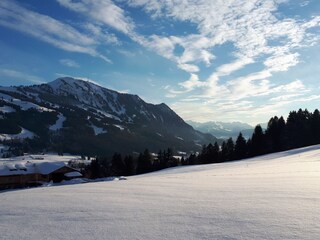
column 73, row 174
column 44, row 168
column 49, row 167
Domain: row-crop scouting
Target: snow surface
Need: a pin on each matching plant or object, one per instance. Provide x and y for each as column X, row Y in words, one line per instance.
column 119, row 126
column 98, row 130
column 7, row 109
column 59, row 123
column 275, row 196
column 73, row 174
column 29, row 168
column 23, row 104
column 25, row 133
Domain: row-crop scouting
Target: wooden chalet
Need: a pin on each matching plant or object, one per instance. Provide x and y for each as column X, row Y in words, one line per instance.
column 34, row 174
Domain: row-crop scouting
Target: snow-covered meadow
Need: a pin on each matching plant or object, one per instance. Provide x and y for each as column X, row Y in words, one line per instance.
column 275, row 196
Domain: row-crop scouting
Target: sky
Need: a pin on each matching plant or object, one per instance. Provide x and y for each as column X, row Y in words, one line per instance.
column 222, row 60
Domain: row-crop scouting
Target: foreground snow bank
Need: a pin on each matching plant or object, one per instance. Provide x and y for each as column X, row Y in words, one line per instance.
column 270, row 197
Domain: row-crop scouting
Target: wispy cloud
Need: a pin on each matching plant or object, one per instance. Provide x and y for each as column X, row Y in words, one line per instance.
column 250, row 26
column 5, row 72
column 47, row 29
column 102, row 11
column 69, row 63
column 192, row 83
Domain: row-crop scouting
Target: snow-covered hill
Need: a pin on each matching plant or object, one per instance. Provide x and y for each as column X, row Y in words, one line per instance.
column 274, row 196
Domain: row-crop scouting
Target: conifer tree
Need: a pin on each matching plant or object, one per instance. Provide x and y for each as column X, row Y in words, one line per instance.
column 144, row 162
column 230, row 150
column 240, row 151
column 258, row 144
column 315, row 127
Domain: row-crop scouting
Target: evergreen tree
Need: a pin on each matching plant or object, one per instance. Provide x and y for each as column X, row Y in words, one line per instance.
column 129, row 166
column 240, row 151
column 223, row 152
column 117, row 165
column 161, row 159
column 214, row 154
column 203, row 156
column 94, row 169
column 274, row 134
column 144, row 162
column 183, row 161
column 171, row 161
column 315, row 127
column 258, row 144
column 298, row 129
column 229, row 150
column 192, row 159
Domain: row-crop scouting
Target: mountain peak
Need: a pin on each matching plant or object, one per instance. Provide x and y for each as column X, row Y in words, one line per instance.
column 71, row 81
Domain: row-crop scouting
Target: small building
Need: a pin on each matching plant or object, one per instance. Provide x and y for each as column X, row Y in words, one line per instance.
column 28, row 174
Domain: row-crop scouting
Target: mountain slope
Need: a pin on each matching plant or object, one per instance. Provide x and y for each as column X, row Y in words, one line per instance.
column 274, row 196
column 81, row 117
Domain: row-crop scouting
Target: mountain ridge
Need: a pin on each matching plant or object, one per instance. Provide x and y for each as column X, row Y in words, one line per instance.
column 112, row 121
column 223, row 129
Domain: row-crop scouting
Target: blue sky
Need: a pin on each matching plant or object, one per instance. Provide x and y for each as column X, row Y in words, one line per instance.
column 230, row 60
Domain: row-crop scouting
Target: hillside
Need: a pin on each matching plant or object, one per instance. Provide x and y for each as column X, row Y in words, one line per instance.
column 80, row 117
column 274, row 196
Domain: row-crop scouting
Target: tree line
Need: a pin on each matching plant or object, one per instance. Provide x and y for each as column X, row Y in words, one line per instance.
column 129, row 165
column 302, row 128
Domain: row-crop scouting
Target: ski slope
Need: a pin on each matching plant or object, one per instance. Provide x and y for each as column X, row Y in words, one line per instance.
column 275, row 196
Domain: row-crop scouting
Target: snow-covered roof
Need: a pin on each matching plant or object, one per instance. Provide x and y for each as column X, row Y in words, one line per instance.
column 44, row 168
column 73, row 174
column 49, row 167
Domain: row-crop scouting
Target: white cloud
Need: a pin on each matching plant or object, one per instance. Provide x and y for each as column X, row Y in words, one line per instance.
column 101, row 34
column 127, row 53
column 295, row 86
column 191, row 68
column 304, row 3
column 286, row 97
column 228, row 68
column 249, row 26
column 102, row 11
column 69, row 63
column 20, row 75
column 192, row 83
column 47, row 29
column 281, row 62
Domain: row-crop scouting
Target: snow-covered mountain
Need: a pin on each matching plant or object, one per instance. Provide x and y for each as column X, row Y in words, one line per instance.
column 274, row 196
column 82, row 117
column 223, row 129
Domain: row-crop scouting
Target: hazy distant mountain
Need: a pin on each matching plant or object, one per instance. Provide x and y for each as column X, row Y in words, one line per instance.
column 78, row 116
column 224, row 129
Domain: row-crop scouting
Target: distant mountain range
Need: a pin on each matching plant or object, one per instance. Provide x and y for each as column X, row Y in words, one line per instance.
column 225, row 129
column 76, row 116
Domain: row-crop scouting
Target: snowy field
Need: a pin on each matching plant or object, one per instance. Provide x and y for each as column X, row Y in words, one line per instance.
column 271, row 197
